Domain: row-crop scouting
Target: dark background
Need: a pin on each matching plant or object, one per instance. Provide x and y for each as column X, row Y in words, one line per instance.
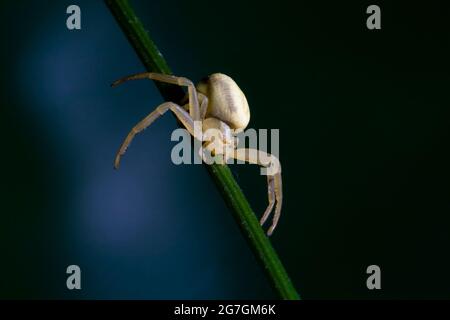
column 364, row 135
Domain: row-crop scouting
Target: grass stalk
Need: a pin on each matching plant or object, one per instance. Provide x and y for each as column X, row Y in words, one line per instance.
column 259, row 243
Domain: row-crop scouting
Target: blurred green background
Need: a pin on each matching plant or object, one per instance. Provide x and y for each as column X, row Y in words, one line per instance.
column 364, row 135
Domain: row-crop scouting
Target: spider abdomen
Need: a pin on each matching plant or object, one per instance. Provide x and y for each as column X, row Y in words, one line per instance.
column 226, row 101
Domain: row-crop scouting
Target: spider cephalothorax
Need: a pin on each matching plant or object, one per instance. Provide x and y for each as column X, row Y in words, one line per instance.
column 216, row 103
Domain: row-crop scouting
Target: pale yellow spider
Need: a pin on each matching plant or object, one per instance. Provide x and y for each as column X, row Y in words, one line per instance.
column 218, row 103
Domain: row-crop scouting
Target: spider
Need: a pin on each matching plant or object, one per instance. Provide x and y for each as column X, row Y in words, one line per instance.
column 215, row 103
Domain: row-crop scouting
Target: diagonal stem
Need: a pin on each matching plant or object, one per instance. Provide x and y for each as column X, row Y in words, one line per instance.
column 230, row 190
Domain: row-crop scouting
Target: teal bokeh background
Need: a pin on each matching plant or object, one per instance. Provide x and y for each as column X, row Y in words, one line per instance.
column 364, row 134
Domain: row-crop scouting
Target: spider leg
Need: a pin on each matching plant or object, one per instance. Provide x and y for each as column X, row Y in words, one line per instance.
column 278, row 188
column 271, row 194
column 203, row 105
column 274, row 182
column 179, row 112
column 180, row 81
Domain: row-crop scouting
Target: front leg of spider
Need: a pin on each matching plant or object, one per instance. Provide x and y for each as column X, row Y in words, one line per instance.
column 186, row 119
column 274, row 182
column 179, row 112
column 194, row 110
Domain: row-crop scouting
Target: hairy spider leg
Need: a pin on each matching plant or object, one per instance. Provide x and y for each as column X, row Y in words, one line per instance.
column 194, row 110
column 274, row 182
column 179, row 112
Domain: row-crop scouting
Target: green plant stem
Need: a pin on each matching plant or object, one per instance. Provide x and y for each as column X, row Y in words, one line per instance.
column 232, row 193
